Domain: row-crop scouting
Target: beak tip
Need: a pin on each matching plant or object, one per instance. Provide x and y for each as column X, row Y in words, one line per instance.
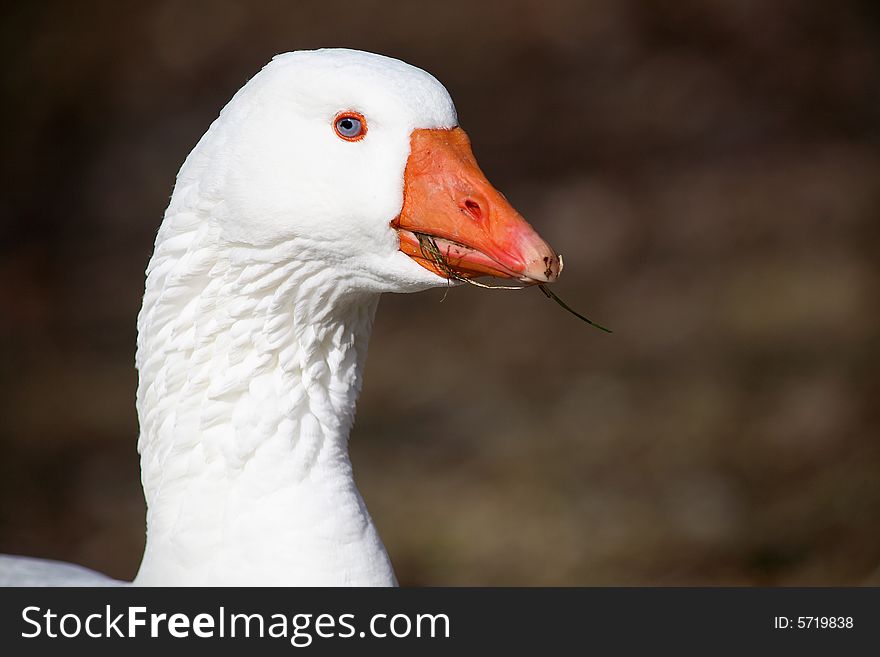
column 543, row 269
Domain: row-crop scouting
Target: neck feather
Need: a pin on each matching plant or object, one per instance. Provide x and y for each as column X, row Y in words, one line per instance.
column 250, row 363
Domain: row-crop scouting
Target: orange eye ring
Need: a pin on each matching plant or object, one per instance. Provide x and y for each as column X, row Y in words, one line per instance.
column 350, row 126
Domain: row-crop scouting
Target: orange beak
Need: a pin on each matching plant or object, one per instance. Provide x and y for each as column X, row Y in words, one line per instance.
column 448, row 202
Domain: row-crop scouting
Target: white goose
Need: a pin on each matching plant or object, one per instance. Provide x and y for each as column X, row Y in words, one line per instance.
column 301, row 204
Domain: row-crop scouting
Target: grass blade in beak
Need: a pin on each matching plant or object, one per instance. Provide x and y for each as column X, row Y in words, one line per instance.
column 562, row 303
column 430, row 251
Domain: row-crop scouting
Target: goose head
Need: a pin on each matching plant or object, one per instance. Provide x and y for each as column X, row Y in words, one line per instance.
column 315, row 189
column 356, row 156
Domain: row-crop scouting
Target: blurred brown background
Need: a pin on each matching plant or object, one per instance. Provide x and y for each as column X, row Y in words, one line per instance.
column 710, row 170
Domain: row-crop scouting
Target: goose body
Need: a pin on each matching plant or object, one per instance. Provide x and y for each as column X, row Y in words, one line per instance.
column 308, row 197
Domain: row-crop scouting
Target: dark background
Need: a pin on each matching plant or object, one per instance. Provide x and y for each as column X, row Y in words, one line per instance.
column 711, row 172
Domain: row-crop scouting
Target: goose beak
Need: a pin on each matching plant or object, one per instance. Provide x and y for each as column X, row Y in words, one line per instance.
column 450, row 209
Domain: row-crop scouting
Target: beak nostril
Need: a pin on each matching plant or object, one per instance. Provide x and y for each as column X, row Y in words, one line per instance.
column 472, row 208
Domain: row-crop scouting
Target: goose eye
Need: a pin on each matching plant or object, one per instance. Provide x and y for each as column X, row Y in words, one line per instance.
column 350, row 126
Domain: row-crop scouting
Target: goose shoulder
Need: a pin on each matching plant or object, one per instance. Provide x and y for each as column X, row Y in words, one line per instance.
column 30, row 571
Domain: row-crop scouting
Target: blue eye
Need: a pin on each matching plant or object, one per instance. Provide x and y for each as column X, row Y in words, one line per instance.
column 350, row 126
